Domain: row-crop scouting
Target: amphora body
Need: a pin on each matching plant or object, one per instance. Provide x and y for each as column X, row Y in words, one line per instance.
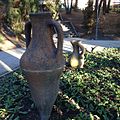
column 42, row 63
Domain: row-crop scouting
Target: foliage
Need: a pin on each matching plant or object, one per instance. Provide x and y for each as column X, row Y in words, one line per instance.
column 89, row 20
column 53, row 6
column 2, row 12
column 85, row 94
column 96, row 87
column 18, row 12
column 13, row 93
column 1, row 38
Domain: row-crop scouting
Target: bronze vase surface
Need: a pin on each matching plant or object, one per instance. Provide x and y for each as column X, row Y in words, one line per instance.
column 43, row 62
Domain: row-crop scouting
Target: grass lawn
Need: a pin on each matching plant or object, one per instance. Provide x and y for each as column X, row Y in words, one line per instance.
column 91, row 93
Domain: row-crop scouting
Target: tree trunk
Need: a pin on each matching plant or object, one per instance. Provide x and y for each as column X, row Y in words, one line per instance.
column 68, row 6
column 100, row 4
column 108, row 6
column 104, row 7
column 96, row 6
column 76, row 5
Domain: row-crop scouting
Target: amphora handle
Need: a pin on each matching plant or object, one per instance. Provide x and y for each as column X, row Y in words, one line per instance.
column 59, row 31
column 28, row 27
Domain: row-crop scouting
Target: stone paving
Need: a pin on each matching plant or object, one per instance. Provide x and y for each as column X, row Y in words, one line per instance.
column 9, row 60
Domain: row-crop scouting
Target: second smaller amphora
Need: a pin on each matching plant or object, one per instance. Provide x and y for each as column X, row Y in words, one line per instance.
column 76, row 60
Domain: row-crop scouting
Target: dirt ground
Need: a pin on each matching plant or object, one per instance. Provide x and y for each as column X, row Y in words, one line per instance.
column 10, row 41
column 109, row 29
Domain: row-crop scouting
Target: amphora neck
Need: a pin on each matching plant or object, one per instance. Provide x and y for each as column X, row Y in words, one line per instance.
column 39, row 26
column 75, row 47
column 39, row 20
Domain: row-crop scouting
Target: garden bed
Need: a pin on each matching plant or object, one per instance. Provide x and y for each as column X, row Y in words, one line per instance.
column 86, row 94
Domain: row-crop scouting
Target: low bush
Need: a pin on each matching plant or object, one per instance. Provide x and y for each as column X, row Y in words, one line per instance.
column 91, row 93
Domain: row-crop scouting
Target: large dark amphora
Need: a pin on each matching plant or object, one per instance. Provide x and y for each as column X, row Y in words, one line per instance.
column 42, row 63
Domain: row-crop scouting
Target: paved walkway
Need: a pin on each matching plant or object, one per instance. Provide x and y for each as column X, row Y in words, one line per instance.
column 9, row 59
